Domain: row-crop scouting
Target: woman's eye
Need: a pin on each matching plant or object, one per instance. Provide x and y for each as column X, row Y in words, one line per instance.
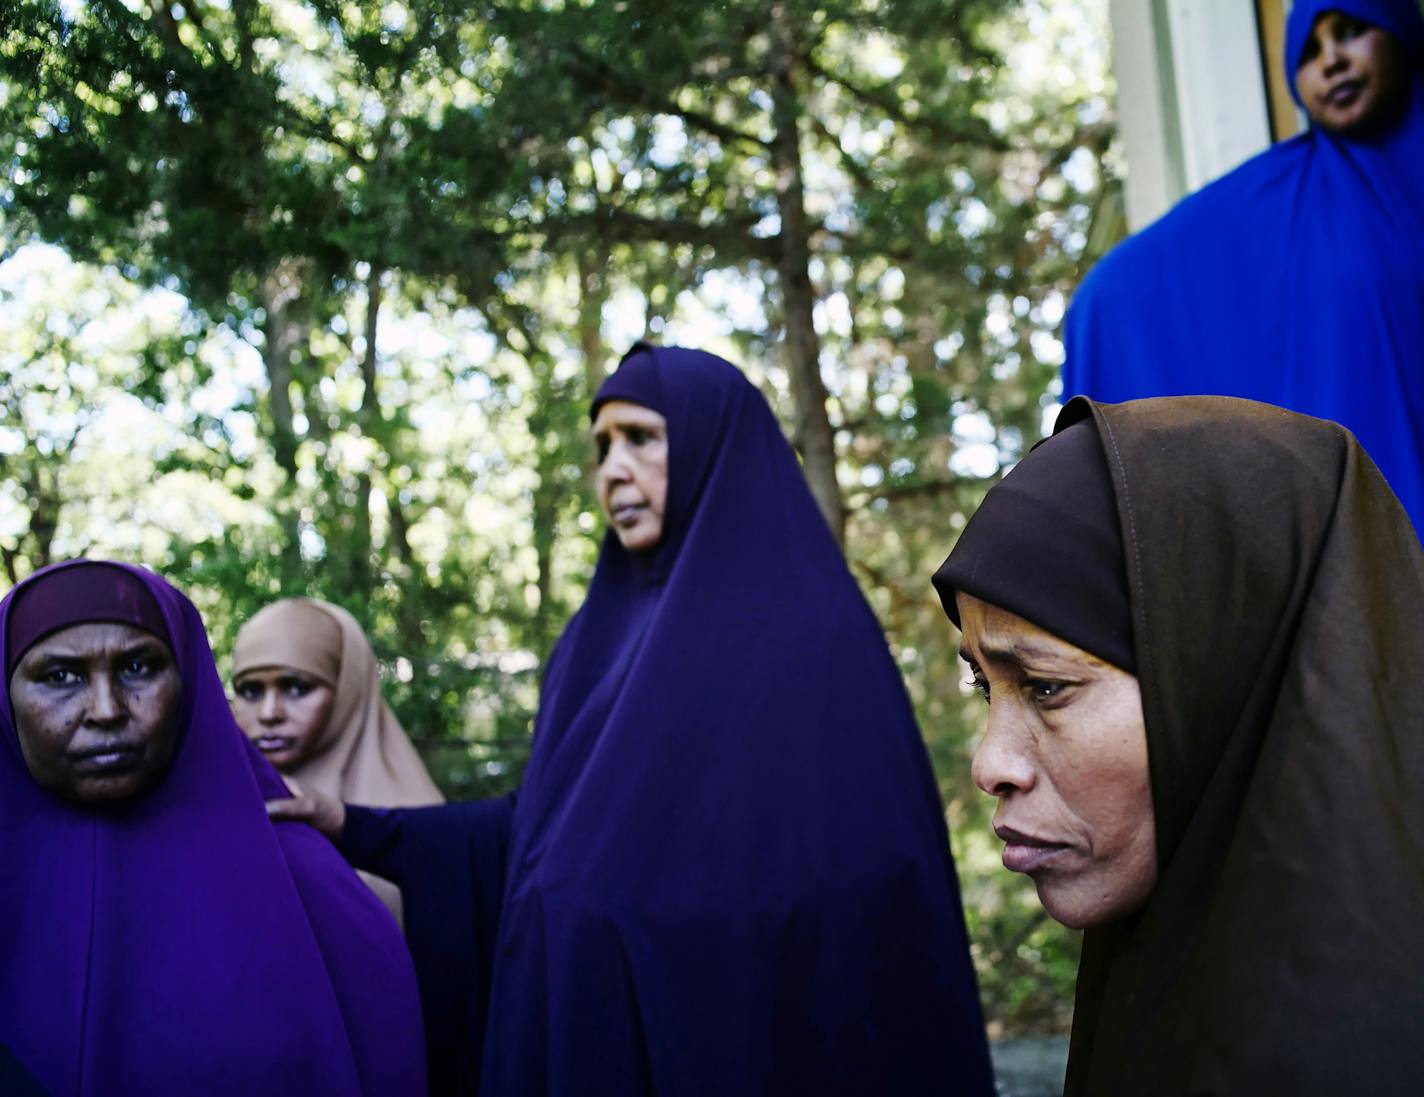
column 600, row 446
column 1042, row 690
column 60, row 677
column 637, row 436
column 296, row 687
column 980, row 686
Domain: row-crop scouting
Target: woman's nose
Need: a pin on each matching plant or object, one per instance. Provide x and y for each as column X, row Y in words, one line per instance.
column 271, row 710
column 106, row 705
column 615, row 468
column 1332, row 56
column 1002, row 764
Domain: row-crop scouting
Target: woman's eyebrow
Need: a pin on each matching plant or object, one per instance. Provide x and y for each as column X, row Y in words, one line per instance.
column 58, row 656
column 144, row 647
column 1015, row 651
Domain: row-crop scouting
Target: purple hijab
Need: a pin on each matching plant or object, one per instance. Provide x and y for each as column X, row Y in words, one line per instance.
column 728, row 868
column 181, row 943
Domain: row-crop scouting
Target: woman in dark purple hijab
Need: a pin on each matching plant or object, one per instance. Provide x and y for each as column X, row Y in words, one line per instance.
column 727, row 871
column 158, row 935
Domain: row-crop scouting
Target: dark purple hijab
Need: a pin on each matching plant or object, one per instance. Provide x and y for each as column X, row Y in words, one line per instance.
column 181, row 943
column 728, row 869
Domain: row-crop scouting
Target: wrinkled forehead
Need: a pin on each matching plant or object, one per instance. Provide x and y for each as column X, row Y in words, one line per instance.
column 624, row 413
column 93, row 639
column 86, row 592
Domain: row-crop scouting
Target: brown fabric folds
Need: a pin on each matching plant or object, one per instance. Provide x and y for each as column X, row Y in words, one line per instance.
column 1046, row 544
column 1278, row 600
column 363, row 755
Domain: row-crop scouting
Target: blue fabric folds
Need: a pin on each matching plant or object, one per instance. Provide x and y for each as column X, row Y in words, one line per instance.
column 729, row 871
column 1297, row 279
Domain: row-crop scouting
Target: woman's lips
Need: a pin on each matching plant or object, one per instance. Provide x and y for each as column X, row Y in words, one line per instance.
column 1344, row 93
column 1025, row 853
column 628, row 513
column 110, row 758
column 273, row 744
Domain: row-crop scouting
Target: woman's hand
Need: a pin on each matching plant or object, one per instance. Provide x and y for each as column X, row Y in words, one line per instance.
column 326, row 813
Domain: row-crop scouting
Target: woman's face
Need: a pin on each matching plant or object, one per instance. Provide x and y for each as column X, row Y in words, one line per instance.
column 1066, row 756
column 96, row 711
column 632, row 446
column 1352, row 75
column 283, row 711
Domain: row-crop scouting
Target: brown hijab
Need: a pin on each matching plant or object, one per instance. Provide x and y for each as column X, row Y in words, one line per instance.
column 1277, row 593
column 363, row 755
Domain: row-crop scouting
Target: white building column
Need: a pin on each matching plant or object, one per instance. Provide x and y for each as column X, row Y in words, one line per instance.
column 1192, row 100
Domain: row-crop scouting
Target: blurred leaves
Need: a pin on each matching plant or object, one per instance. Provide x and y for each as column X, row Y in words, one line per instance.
column 330, row 282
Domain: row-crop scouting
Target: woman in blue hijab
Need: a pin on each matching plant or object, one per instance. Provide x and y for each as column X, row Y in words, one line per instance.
column 727, row 871
column 1298, row 278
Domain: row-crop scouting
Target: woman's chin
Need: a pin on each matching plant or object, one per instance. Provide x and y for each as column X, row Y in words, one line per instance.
column 643, row 537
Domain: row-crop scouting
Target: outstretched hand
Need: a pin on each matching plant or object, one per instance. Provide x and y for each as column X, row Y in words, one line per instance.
column 326, row 813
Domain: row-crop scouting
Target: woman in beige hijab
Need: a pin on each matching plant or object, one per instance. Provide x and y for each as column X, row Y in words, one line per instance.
column 308, row 694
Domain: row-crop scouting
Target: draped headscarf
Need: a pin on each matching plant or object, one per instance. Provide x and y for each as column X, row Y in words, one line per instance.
column 1070, row 581
column 362, row 755
column 181, row 943
column 1296, row 279
column 1277, row 595
column 728, row 869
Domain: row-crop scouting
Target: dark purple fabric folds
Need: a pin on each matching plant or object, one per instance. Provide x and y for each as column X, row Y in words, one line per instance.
column 182, row 944
column 729, row 870
column 88, row 591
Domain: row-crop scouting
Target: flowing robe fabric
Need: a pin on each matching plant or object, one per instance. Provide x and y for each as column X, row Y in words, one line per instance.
column 182, row 944
column 1277, row 592
column 1297, row 279
column 728, row 869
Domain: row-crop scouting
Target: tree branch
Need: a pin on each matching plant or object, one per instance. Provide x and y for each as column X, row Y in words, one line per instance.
column 889, row 106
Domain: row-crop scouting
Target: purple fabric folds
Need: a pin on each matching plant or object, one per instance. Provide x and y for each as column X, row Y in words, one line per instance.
column 728, row 867
column 182, row 944
column 71, row 596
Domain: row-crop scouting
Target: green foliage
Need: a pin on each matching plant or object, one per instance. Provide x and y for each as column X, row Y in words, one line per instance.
column 349, row 272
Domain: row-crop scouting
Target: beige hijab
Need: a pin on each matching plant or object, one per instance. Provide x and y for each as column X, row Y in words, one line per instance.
column 363, row 755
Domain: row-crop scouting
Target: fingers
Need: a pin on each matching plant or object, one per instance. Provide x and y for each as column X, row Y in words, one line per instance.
column 299, row 808
column 326, row 813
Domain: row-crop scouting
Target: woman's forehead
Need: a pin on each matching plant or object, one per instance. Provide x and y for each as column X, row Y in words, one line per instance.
column 93, row 638
column 1000, row 635
column 621, row 413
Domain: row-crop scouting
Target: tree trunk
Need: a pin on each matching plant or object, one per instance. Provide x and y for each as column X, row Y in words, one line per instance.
column 813, row 434
column 281, row 334
column 359, row 558
column 593, row 295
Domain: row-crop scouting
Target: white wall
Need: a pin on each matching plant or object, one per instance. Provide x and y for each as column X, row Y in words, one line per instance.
column 1191, row 97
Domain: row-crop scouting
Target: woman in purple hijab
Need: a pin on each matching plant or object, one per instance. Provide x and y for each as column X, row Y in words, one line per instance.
column 158, row 935
column 727, row 871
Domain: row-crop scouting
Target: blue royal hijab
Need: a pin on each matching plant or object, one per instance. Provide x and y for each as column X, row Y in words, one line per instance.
column 1297, row 279
column 728, row 869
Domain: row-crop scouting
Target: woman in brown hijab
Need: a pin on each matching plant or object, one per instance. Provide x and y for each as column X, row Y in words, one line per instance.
column 308, row 693
column 1200, row 623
